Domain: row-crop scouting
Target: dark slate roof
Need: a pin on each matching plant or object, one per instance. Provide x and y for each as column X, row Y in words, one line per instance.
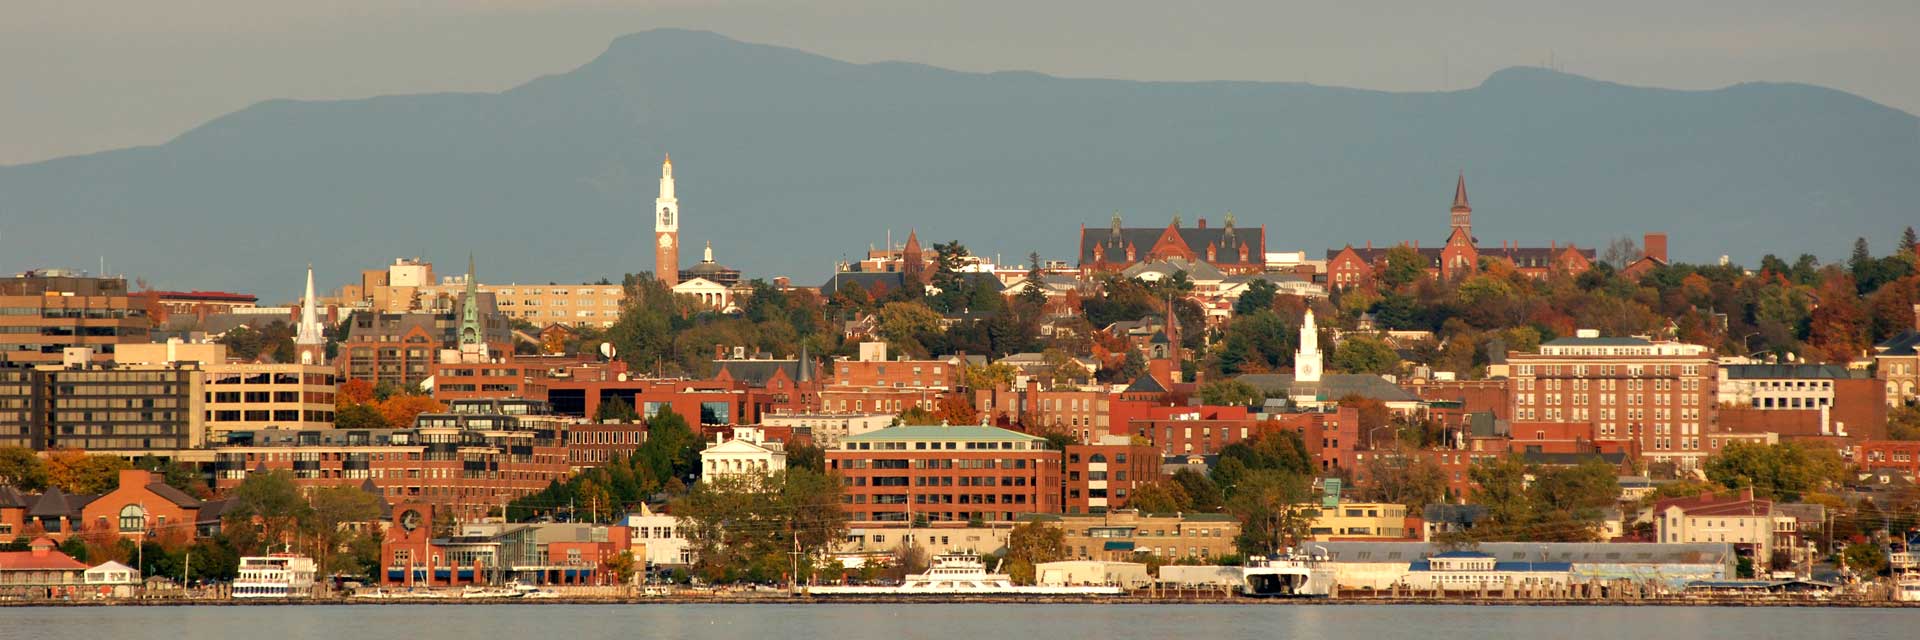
column 11, row 497
column 1800, row 371
column 1227, row 240
column 177, row 497
column 1332, row 386
column 55, row 503
column 869, row 280
column 1905, row 344
column 212, row 511
column 1146, row 384
column 758, row 372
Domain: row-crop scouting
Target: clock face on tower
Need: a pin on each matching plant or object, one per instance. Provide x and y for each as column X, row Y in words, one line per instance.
column 410, row 520
column 666, row 241
column 666, row 217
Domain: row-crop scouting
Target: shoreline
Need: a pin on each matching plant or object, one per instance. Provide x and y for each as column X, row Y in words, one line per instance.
column 1111, row 601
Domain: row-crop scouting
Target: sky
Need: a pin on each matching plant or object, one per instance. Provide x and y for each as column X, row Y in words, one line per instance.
column 91, row 75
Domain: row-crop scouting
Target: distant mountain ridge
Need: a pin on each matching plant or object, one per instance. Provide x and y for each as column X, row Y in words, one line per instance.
column 789, row 161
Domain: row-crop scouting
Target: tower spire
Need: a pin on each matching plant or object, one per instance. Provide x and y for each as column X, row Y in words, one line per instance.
column 666, row 228
column 1462, row 214
column 310, row 339
column 470, row 335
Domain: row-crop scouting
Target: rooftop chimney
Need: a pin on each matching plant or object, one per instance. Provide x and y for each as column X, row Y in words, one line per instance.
column 1202, row 222
column 1655, row 246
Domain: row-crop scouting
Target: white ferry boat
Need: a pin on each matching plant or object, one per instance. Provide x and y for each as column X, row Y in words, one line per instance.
column 958, row 574
column 275, row 576
column 1906, row 587
column 1288, row 576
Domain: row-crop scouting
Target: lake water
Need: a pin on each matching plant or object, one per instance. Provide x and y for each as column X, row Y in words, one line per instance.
column 948, row 622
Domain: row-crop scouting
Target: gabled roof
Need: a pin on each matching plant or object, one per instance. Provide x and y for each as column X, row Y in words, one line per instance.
column 52, row 560
column 55, row 504
column 1146, row 384
column 1227, row 240
column 177, row 497
column 1905, row 344
column 12, row 498
column 758, row 372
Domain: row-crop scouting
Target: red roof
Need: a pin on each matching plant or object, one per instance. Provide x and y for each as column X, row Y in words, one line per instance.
column 41, row 559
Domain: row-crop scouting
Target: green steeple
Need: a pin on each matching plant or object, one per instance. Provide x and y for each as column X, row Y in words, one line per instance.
column 470, row 332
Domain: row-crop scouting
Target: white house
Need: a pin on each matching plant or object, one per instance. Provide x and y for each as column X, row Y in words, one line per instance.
column 657, row 539
column 112, row 580
column 714, row 295
column 747, row 451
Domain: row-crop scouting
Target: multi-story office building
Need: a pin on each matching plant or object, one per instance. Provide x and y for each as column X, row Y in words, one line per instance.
column 946, row 474
column 1121, row 535
column 42, row 313
column 1587, row 392
column 246, row 396
column 1100, row 476
column 400, row 348
column 127, row 409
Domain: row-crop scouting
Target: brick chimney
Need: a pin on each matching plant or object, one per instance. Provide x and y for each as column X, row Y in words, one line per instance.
column 135, row 478
column 1202, row 222
column 1655, row 246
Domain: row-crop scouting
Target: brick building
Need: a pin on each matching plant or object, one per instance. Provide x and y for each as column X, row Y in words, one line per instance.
column 144, row 508
column 471, row 461
column 1654, row 399
column 1827, row 403
column 1100, row 476
column 946, row 474
column 126, row 409
column 1896, row 363
column 1229, row 249
column 1459, row 254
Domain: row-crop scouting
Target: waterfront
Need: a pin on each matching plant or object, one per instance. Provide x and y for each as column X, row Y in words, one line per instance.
column 909, row 622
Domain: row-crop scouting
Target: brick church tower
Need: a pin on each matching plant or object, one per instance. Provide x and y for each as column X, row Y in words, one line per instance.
column 666, row 229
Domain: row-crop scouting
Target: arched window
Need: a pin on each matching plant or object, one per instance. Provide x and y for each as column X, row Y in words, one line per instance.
column 1098, row 457
column 133, row 518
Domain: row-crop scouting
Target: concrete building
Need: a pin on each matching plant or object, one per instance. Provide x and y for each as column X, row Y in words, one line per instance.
column 1123, row 535
column 1335, row 520
column 43, row 313
column 1826, row 403
column 124, row 409
column 946, row 474
column 1749, row 524
column 247, row 396
column 747, row 452
column 1654, row 399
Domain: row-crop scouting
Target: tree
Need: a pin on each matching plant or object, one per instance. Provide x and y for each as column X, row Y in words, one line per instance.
column 1404, row 266
column 1202, row 493
column 1264, row 500
column 330, row 524
column 353, row 391
column 616, row 410
column 1159, row 496
column 1406, row 478
column 801, row 455
column 622, row 567
column 1622, row 251
column 905, row 324
column 1062, row 369
column 1268, row 450
column 400, row 410
column 1365, row 354
column 1031, row 544
column 917, row 416
column 22, row 469
column 175, row 474
column 743, row 526
column 267, row 510
column 359, row 416
column 1782, row 471
column 1865, row 559
column 1903, row 423
column 1034, row 296
column 73, row 471
column 1259, row 295
column 1229, row 392
column 670, row 450
column 1500, row 485
column 989, row 376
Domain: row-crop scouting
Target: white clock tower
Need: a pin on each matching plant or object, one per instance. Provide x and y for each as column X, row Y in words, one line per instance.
column 666, row 229
column 1306, row 361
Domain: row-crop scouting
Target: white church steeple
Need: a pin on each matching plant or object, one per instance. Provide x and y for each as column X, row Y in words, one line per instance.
column 1306, row 361
column 310, row 338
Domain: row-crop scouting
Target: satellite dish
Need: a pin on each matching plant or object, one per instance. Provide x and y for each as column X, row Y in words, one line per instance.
column 607, row 350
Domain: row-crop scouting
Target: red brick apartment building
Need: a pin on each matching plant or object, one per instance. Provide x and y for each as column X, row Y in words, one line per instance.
column 1587, row 393
column 946, row 474
column 471, row 461
column 1100, row 477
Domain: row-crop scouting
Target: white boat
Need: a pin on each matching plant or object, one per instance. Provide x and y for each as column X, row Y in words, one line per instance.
column 278, row 575
column 1906, row 587
column 961, row 574
column 491, row 592
column 1288, row 576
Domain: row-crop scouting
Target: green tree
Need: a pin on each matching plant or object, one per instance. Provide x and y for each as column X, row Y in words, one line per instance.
column 1229, row 392
column 1782, row 471
column 1365, row 354
column 1407, row 478
column 670, row 451
column 906, row 324
column 807, row 456
column 1265, row 502
column 1034, row 296
column 1865, row 559
column 359, row 416
column 22, row 469
column 917, row 416
column 1259, row 295
column 1269, row 450
column 743, row 526
column 1031, row 544
column 1159, row 496
column 616, row 410
column 338, row 515
column 1201, row 492
column 267, row 510
column 1405, row 265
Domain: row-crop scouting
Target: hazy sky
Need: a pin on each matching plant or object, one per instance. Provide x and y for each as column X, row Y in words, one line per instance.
column 88, row 75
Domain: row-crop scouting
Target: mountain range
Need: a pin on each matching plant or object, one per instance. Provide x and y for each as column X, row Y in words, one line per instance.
column 788, row 162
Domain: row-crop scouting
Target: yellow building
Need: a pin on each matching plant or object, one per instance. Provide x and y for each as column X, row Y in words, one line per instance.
column 1358, row 521
column 248, row 396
